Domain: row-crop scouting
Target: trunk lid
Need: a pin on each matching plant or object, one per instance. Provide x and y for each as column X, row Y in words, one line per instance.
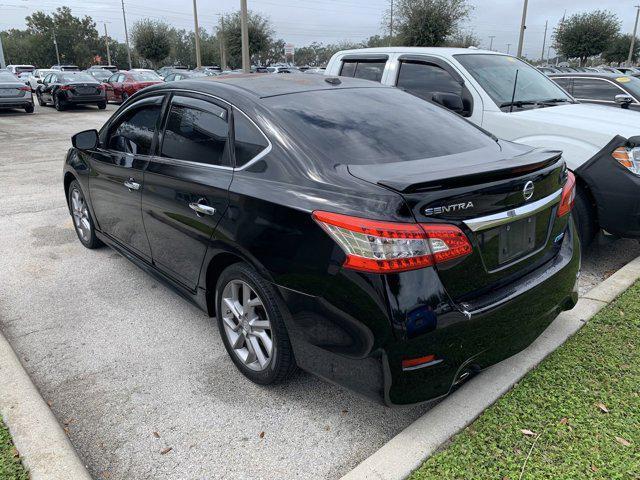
column 505, row 203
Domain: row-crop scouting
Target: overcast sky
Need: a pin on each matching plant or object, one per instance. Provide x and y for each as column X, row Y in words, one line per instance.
column 302, row 21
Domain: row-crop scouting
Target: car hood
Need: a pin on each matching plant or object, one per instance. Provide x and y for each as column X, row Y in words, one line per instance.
column 590, row 118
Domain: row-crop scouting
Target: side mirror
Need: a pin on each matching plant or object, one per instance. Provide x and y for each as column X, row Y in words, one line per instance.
column 624, row 100
column 451, row 101
column 87, row 140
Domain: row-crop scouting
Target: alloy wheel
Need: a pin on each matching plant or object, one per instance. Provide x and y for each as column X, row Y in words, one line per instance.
column 80, row 215
column 247, row 325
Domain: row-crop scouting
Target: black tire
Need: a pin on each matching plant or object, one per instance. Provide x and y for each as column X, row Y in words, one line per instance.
column 41, row 102
column 58, row 103
column 282, row 364
column 584, row 213
column 87, row 238
column 29, row 108
column 102, row 105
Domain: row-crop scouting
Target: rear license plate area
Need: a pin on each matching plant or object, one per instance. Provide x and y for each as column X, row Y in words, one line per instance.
column 516, row 239
column 9, row 92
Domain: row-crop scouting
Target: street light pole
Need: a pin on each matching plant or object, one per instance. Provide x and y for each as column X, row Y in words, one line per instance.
column 223, row 49
column 126, row 36
column 523, row 27
column 197, row 32
column 633, row 38
column 106, row 41
column 2, row 61
column 391, row 23
column 491, row 42
column 246, row 65
column 544, row 40
column 55, row 44
column 508, row 48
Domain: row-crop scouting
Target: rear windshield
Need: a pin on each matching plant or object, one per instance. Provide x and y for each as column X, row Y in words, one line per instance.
column 146, row 77
column 7, row 77
column 76, row 77
column 374, row 125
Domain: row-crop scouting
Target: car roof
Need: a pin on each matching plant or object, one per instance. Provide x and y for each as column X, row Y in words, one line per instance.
column 263, row 86
column 442, row 51
column 589, row 74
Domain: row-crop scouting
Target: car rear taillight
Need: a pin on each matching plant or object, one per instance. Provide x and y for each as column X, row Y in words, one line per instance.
column 25, row 89
column 66, row 87
column 568, row 198
column 386, row 247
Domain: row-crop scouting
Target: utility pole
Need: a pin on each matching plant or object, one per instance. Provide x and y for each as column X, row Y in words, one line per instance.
column 523, row 26
column 223, row 48
column 391, row 23
column 633, row 38
column 508, row 48
column 55, row 44
column 197, row 32
column 126, row 36
column 491, row 42
column 106, row 41
column 2, row 61
column 246, row 63
column 544, row 40
column 548, row 53
column 561, row 23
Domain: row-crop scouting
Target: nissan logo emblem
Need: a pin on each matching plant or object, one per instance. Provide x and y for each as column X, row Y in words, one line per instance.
column 527, row 191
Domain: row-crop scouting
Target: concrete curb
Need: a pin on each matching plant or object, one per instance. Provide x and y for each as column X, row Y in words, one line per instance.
column 44, row 448
column 410, row 448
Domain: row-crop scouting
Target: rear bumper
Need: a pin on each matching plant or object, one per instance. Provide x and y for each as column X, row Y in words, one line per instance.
column 16, row 102
column 366, row 355
column 82, row 99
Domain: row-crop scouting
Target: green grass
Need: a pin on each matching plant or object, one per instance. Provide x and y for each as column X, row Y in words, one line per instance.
column 10, row 466
column 564, row 403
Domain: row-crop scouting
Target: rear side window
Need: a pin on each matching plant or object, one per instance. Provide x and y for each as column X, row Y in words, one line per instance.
column 593, row 89
column 133, row 133
column 564, row 83
column 197, row 131
column 249, row 141
column 425, row 79
column 365, row 69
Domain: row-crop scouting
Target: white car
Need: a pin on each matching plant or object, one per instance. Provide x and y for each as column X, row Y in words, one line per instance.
column 601, row 145
column 36, row 75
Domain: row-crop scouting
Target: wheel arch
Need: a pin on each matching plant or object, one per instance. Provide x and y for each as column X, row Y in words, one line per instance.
column 215, row 266
column 68, row 178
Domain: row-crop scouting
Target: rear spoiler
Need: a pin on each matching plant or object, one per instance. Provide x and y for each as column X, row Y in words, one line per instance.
column 454, row 170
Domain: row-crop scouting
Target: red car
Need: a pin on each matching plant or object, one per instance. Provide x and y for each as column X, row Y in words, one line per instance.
column 121, row 85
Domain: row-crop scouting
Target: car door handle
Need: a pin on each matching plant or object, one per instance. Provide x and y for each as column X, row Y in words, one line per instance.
column 132, row 185
column 201, row 209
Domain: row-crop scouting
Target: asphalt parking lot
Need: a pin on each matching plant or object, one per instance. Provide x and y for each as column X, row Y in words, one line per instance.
column 131, row 369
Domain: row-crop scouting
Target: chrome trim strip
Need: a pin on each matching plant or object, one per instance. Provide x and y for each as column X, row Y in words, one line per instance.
column 497, row 219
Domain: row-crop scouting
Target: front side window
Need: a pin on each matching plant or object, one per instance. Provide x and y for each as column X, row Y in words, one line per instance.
column 249, row 142
column 425, row 79
column 496, row 74
column 197, row 131
column 595, row 89
column 133, row 133
column 365, row 69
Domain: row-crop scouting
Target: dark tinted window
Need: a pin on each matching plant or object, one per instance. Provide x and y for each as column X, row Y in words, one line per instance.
column 196, row 131
column 367, row 70
column 593, row 89
column 374, row 125
column 423, row 80
column 564, row 83
column 249, row 141
column 134, row 132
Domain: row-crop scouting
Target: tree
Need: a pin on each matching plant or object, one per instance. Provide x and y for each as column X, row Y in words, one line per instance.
column 618, row 49
column 462, row 40
column 260, row 38
column 427, row 23
column 152, row 40
column 586, row 34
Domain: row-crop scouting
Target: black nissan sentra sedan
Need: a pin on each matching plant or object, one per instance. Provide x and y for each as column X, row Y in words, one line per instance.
column 63, row 89
column 336, row 225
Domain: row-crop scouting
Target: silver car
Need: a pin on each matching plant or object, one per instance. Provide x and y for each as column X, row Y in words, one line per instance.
column 14, row 93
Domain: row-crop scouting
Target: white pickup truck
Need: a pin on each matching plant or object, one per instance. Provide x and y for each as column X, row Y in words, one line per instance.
column 516, row 102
